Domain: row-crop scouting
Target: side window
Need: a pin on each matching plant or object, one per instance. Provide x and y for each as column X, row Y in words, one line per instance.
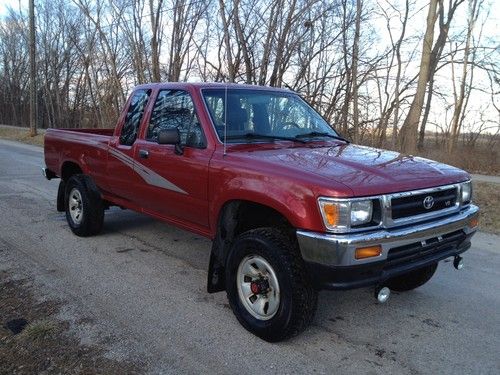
column 175, row 109
column 134, row 116
column 215, row 104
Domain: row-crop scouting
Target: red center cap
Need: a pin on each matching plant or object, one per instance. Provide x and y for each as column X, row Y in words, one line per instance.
column 255, row 288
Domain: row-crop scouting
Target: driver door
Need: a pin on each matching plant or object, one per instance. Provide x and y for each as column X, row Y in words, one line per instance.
column 177, row 188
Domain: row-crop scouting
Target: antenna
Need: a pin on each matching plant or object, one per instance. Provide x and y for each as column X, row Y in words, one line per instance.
column 225, row 118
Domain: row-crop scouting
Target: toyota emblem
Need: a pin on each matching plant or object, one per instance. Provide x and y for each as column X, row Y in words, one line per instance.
column 428, row 202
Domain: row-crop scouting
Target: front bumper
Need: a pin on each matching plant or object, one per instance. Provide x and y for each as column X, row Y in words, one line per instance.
column 332, row 265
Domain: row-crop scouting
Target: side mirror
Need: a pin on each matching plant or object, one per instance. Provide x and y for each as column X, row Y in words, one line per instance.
column 171, row 137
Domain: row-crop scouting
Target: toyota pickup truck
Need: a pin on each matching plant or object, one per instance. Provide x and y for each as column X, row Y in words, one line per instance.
column 291, row 207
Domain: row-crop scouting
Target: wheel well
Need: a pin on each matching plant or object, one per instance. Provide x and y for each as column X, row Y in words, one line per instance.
column 237, row 217
column 251, row 215
column 69, row 169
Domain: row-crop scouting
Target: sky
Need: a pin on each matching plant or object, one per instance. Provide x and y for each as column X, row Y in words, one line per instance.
column 11, row 3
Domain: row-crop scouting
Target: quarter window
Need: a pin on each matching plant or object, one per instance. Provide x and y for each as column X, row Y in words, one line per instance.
column 175, row 109
column 133, row 118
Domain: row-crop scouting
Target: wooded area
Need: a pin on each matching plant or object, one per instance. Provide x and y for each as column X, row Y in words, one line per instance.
column 403, row 75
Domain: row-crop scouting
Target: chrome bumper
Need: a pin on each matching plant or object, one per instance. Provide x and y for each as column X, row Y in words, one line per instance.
column 338, row 249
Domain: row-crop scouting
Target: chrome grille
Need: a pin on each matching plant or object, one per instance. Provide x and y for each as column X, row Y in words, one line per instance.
column 418, row 204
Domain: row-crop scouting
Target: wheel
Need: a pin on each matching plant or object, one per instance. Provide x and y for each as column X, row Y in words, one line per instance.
column 83, row 204
column 267, row 286
column 413, row 279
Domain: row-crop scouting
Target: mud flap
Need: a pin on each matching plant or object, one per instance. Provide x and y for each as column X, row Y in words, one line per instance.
column 60, row 196
column 216, row 273
column 220, row 248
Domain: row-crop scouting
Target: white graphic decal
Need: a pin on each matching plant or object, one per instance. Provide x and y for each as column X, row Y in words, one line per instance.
column 148, row 175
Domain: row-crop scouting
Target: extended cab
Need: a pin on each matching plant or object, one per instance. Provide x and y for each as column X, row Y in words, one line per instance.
column 290, row 205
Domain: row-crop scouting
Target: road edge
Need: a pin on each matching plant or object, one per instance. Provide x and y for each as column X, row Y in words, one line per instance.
column 25, row 146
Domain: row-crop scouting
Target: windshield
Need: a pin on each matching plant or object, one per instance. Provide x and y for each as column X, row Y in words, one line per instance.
column 264, row 115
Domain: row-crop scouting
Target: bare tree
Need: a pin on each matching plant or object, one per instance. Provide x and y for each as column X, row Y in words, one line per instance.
column 361, row 78
column 460, row 94
column 227, row 40
column 408, row 134
column 354, row 65
column 14, row 70
column 155, row 13
column 437, row 50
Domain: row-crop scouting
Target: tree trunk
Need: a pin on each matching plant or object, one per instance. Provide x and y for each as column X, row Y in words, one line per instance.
column 398, row 77
column 344, row 125
column 32, row 70
column 155, row 51
column 229, row 56
column 355, row 53
column 243, row 42
column 409, row 130
column 444, row 27
column 427, row 110
column 459, row 103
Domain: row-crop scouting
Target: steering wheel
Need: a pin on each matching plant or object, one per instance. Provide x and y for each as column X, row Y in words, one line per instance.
column 287, row 126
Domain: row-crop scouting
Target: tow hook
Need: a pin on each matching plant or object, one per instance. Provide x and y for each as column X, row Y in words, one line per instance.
column 458, row 262
column 382, row 294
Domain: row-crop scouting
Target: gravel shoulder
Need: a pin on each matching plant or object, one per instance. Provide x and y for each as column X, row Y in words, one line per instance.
column 35, row 338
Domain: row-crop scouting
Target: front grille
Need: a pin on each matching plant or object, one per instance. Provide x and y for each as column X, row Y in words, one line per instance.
column 427, row 249
column 413, row 205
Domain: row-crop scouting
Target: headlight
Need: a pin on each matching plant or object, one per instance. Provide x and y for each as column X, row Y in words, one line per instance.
column 361, row 212
column 466, row 192
column 340, row 215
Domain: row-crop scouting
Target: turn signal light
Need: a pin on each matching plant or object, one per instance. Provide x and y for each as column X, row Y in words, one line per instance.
column 368, row 252
column 331, row 214
column 474, row 222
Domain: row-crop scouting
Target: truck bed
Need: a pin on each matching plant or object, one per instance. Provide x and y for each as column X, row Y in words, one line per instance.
column 87, row 148
column 108, row 132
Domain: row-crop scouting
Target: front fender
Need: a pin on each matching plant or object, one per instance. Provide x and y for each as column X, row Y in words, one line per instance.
column 295, row 202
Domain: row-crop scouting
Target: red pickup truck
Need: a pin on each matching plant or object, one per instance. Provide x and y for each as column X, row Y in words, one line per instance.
column 291, row 206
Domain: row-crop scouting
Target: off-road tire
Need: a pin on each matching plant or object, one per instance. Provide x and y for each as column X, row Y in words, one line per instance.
column 298, row 299
column 413, row 279
column 92, row 206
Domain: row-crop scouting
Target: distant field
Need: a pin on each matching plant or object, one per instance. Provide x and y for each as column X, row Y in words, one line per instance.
column 487, row 197
column 480, row 159
column 21, row 135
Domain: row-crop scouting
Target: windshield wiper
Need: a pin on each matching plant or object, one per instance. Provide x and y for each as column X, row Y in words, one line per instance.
column 320, row 134
column 265, row 136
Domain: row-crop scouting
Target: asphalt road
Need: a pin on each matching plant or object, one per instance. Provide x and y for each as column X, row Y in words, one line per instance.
column 138, row 289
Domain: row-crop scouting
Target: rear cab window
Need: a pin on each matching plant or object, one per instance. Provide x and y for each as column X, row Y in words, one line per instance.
column 134, row 116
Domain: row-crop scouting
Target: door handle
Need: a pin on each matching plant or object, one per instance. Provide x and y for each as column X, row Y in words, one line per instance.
column 143, row 154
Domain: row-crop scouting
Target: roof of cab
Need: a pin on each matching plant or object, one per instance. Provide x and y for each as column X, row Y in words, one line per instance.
column 205, row 85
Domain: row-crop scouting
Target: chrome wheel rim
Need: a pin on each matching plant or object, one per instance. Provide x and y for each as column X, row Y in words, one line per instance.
column 258, row 287
column 75, row 206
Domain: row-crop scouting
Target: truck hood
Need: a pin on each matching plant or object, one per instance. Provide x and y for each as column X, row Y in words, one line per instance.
column 365, row 170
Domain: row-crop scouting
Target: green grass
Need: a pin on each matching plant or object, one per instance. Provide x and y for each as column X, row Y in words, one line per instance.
column 39, row 330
